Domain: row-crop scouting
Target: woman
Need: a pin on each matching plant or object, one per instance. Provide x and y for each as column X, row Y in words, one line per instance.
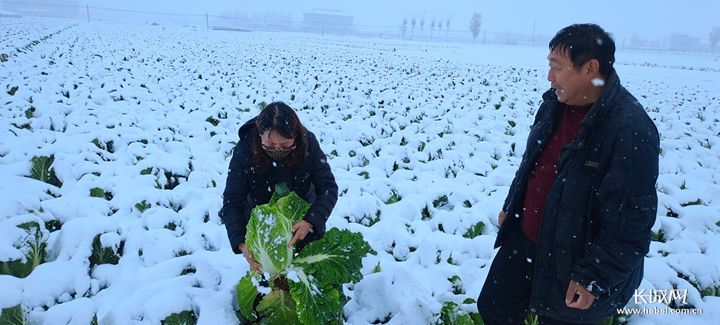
column 273, row 148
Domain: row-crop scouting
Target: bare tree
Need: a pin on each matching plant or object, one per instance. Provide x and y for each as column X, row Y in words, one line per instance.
column 714, row 37
column 432, row 26
column 412, row 22
column 422, row 24
column 475, row 24
column 447, row 27
column 404, row 27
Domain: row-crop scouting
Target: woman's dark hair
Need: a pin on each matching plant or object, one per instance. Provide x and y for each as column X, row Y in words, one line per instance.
column 281, row 118
column 584, row 42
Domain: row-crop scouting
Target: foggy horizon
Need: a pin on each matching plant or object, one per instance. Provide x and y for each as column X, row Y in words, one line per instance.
column 646, row 19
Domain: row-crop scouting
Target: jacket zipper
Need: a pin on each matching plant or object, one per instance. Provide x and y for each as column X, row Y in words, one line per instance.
column 546, row 138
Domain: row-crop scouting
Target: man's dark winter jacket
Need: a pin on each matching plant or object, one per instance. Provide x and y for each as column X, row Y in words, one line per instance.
column 596, row 224
column 248, row 186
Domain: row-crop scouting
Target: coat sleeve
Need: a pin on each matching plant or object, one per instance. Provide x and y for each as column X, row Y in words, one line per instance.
column 627, row 205
column 326, row 189
column 234, row 213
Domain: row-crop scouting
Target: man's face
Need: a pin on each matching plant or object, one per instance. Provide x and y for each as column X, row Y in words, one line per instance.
column 571, row 85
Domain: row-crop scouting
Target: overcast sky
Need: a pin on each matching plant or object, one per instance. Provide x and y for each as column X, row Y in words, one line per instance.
column 623, row 18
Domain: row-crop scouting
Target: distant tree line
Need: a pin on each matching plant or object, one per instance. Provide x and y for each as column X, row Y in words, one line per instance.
column 438, row 24
column 435, row 24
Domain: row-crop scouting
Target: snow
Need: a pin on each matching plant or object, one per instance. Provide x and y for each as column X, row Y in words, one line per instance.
column 441, row 127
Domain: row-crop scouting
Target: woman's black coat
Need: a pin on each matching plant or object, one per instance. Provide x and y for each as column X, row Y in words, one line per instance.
column 248, row 185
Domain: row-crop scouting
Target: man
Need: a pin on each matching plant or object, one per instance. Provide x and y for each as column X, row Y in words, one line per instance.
column 575, row 226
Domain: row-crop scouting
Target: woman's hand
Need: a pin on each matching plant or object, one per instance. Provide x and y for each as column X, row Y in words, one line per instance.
column 254, row 265
column 300, row 229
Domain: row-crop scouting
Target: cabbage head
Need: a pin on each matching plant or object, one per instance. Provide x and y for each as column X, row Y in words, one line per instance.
column 304, row 287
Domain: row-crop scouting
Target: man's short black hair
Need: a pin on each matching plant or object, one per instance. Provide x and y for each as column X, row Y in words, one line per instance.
column 584, row 42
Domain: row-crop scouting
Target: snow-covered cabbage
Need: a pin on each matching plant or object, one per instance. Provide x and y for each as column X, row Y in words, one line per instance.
column 304, row 287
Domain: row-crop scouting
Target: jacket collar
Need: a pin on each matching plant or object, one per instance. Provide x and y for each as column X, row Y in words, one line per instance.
column 244, row 130
column 600, row 108
column 604, row 103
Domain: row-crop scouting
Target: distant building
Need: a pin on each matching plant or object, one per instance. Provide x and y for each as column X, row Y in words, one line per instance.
column 328, row 21
column 9, row 14
column 682, row 42
column 56, row 8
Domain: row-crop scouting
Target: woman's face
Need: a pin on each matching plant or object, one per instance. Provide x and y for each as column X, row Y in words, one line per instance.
column 275, row 145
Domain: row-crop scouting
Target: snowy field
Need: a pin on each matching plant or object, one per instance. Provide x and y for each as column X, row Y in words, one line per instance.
column 137, row 124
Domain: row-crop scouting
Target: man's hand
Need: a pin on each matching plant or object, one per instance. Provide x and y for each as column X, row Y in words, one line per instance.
column 584, row 298
column 254, row 265
column 300, row 229
column 501, row 218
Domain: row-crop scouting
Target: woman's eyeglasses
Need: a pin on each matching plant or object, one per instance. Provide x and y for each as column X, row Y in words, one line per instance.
column 281, row 149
